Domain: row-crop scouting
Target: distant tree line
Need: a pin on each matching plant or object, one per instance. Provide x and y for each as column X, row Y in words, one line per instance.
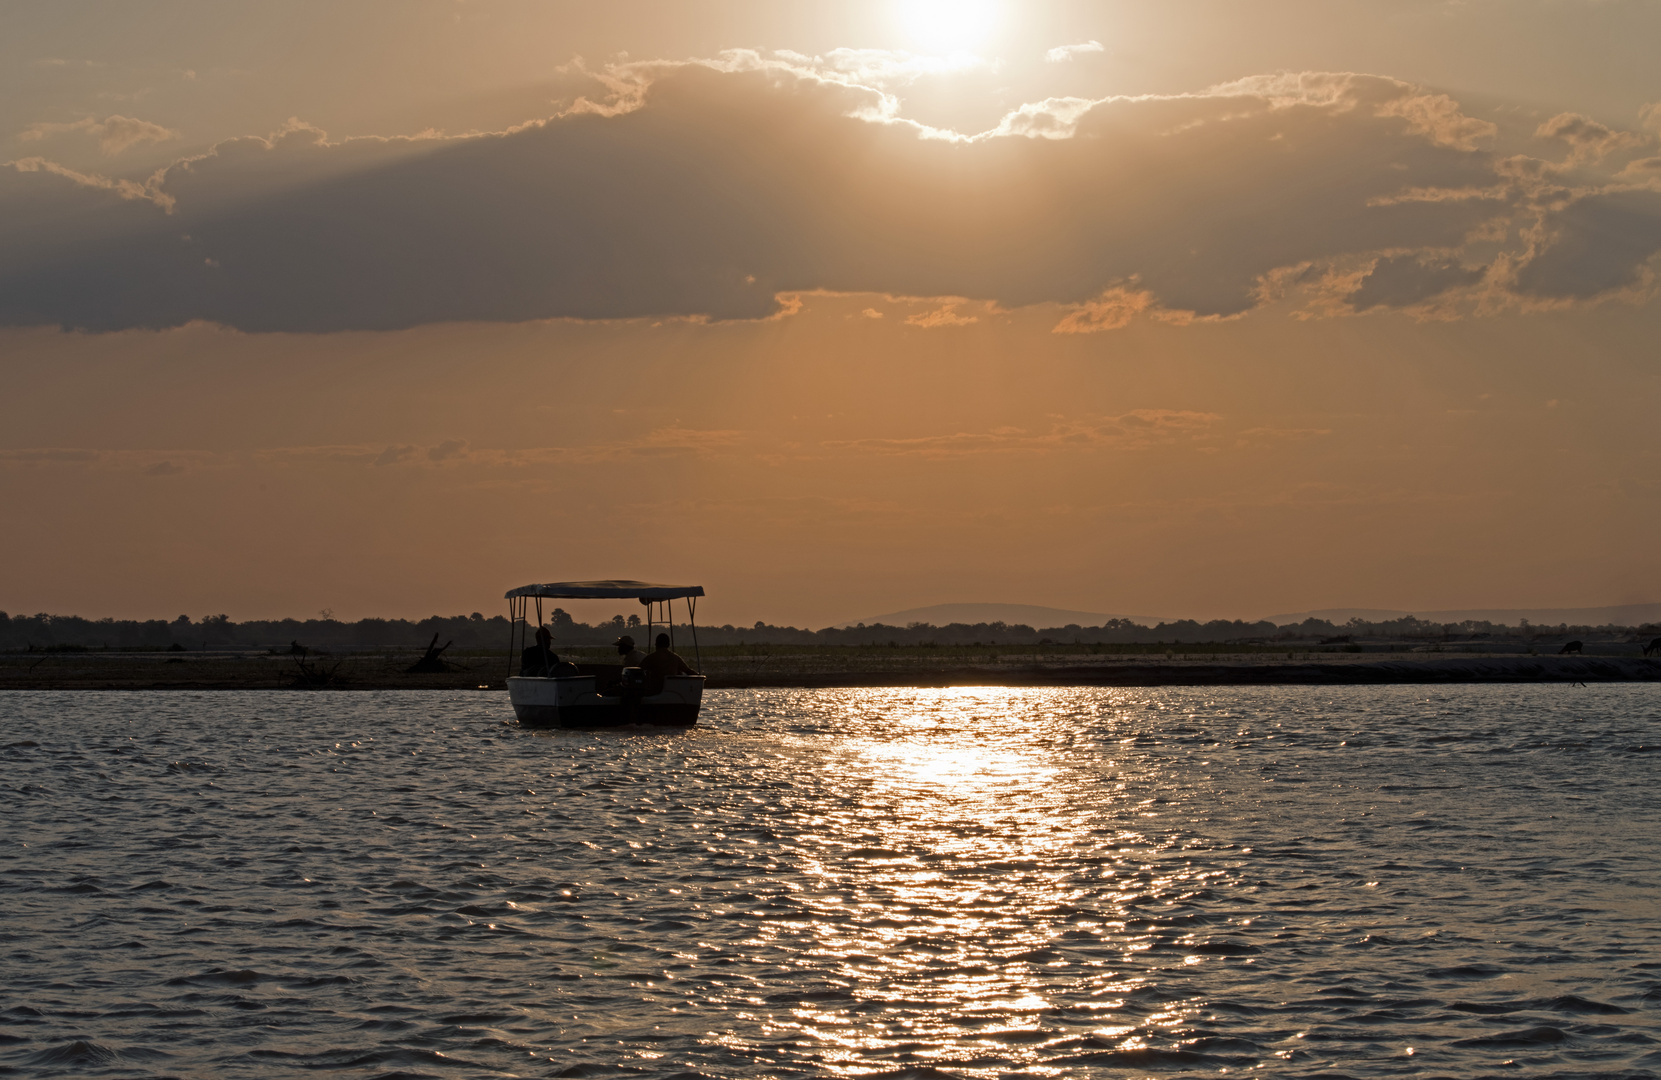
column 475, row 631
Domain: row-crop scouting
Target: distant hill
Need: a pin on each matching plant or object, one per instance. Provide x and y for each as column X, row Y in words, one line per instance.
column 1032, row 615
column 1618, row 615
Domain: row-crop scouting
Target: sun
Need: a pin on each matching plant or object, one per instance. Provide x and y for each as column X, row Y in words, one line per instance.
column 947, row 26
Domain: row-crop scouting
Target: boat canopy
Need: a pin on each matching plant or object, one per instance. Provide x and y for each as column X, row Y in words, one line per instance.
column 606, row 590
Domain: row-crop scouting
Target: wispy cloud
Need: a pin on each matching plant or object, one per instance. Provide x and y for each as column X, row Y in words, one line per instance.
column 946, row 315
column 673, row 441
column 126, row 189
column 884, row 68
column 115, row 134
column 1115, row 308
column 1587, row 139
column 1138, row 429
column 1063, row 53
column 1258, row 436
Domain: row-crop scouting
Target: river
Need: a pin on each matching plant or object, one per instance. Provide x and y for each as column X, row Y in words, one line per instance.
column 1333, row 881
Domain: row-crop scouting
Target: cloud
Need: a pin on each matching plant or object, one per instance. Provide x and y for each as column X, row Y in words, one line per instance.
column 114, row 133
column 660, row 442
column 1139, row 429
column 1115, row 308
column 882, row 68
column 1052, row 118
column 942, row 316
column 1063, row 53
column 1598, row 244
column 728, row 189
column 1405, row 280
column 126, row 189
column 1435, row 116
column 677, row 440
column 1646, row 171
column 1587, row 139
column 1439, row 117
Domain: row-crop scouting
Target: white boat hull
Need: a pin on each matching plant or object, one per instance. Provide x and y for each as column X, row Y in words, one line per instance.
column 575, row 702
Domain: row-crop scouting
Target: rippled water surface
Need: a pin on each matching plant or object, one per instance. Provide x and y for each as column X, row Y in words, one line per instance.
column 904, row 883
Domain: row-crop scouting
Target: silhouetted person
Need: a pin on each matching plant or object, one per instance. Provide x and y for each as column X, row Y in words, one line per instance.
column 539, row 660
column 1571, row 647
column 1652, row 647
column 662, row 664
column 631, row 655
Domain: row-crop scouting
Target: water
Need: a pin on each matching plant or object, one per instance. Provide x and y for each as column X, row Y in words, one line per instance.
column 900, row 883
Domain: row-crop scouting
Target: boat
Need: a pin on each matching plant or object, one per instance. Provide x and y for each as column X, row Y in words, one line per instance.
column 603, row 695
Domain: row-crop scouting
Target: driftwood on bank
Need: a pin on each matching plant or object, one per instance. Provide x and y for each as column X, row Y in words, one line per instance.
column 313, row 676
column 432, row 661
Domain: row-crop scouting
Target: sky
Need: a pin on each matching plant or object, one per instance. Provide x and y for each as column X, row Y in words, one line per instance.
column 1197, row 308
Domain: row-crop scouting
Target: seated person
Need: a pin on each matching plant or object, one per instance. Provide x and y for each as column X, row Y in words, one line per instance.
column 538, row 660
column 662, row 664
column 631, row 655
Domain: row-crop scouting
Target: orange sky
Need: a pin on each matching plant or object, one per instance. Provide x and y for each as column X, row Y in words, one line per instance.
column 832, row 333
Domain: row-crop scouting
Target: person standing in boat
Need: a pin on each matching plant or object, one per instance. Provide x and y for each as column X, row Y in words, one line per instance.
column 539, row 660
column 631, row 655
column 662, row 664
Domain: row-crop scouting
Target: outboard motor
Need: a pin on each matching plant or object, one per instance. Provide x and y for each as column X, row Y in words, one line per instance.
column 632, row 688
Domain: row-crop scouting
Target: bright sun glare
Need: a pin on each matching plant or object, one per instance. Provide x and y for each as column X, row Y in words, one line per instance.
column 944, row 26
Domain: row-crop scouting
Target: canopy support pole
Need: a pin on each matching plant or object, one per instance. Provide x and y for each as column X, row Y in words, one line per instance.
column 513, row 625
column 692, row 621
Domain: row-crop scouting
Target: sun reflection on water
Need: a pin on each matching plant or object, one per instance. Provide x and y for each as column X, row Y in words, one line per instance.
column 953, row 882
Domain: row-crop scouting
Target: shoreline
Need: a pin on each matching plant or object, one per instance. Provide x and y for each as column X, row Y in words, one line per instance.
column 200, row 673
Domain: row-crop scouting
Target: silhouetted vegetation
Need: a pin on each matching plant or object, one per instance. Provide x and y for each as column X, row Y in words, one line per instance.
column 475, row 632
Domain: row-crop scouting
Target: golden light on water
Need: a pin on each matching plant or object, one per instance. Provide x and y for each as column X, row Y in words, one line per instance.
column 956, row 856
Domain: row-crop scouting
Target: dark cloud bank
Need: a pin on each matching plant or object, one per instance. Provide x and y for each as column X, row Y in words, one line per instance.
column 705, row 190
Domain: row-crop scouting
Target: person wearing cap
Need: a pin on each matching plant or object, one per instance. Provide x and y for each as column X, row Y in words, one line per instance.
column 539, row 660
column 631, row 655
